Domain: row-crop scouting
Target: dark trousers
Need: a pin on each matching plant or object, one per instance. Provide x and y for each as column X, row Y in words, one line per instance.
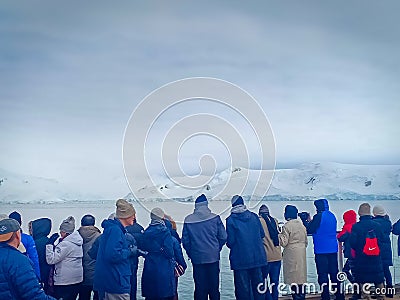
column 85, row 293
column 327, row 268
column 246, row 283
column 206, row 281
column 388, row 275
column 272, row 270
column 347, row 268
column 67, row 292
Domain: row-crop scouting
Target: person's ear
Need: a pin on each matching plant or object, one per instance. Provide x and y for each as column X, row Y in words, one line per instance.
column 18, row 235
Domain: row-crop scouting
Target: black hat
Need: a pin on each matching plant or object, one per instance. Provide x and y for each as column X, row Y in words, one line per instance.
column 88, row 220
column 7, row 228
column 291, row 212
column 201, row 198
column 16, row 216
column 237, row 200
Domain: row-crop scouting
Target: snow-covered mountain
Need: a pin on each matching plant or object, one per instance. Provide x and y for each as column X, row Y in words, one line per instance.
column 309, row 181
column 313, row 180
column 17, row 188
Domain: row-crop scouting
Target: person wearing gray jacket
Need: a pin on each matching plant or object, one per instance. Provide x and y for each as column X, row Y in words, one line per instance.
column 203, row 237
column 66, row 257
column 89, row 234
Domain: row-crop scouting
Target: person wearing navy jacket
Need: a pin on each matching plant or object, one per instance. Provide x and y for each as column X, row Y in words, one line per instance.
column 247, row 256
column 203, row 237
column 41, row 228
column 367, row 268
column 136, row 230
column 382, row 218
column 178, row 255
column 323, row 229
column 112, row 274
column 158, row 277
column 29, row 244
column 396, row 231
column 18, row 280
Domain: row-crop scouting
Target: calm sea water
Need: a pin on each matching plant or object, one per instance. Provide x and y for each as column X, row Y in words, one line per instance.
column 101, row 210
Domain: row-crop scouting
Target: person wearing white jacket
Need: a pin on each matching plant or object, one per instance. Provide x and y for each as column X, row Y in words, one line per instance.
column 66, row 257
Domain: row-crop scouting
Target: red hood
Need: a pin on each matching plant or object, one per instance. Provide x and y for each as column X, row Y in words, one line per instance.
column 350, row 217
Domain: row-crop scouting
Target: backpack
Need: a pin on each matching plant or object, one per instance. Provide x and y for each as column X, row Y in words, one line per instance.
column 371, row 247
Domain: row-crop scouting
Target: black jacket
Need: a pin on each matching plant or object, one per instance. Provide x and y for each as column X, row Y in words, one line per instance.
column 367, row 269
column 386, row 249
column 40, row 230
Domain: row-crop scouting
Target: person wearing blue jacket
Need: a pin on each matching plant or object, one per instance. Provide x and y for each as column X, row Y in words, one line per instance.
column 113, row 269
column 18, row 280
column 29, row 244
column 203, row 237
column 158, row 277
column 247, row 256
column 323, row 229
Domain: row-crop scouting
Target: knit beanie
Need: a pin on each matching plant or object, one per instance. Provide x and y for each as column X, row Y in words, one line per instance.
column 16, row 216
column 237, row 200
column 378, row 210
column 157, row 214
column 263, row 210
column 124, row 209
column 68, row 225
column 364, row 210
column 88, row 220
column 201, row 198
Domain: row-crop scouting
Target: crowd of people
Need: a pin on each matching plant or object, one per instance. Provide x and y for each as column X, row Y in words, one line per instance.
column 88, row 263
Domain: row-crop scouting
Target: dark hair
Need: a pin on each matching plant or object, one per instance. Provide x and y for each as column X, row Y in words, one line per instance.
column 88, row 220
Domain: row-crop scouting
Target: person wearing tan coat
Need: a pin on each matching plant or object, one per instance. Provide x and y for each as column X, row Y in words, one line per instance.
column 273, row 251
column 293, row 239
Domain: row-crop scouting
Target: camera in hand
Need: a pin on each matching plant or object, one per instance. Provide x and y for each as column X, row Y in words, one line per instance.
column 303, row 215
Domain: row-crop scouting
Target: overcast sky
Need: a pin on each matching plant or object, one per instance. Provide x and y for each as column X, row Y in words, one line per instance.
column 326, row 74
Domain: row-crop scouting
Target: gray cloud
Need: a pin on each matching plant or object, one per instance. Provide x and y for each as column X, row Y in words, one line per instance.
column 70, row 74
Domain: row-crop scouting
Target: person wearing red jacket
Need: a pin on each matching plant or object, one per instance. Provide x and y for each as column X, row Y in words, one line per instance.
column 350, row 218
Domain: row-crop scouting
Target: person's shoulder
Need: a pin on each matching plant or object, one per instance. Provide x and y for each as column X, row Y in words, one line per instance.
column 14, row 257
column 112, row 229
column 254, row 215
column 27, row 239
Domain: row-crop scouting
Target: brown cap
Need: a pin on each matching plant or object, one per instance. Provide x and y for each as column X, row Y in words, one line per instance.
column 124, row 209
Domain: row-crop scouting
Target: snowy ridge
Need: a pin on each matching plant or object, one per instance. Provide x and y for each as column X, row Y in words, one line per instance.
column 333, row 181
column 16, row 188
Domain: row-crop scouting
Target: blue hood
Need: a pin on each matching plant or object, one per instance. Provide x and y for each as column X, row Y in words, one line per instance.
column 112, row 222
column 321, row 205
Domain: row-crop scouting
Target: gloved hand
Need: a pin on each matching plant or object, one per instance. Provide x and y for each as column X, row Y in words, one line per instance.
column 53, row 238
column 142, row 253
column 134, row 250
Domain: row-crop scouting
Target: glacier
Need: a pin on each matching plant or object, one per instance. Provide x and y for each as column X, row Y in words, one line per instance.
column 334, row 181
